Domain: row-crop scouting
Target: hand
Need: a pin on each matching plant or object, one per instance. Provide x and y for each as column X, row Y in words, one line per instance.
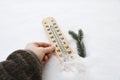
column 41, row 49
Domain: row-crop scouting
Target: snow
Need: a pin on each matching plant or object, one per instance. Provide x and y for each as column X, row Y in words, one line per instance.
column 69, row 70
column 20, row 23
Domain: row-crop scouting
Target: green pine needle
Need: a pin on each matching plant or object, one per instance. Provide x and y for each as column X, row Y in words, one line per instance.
column 74, row 35
column 79, row 42
column 80, row 34
column 83, row 53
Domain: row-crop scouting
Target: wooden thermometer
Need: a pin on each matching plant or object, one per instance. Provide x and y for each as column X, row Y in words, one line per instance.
column 57, row 38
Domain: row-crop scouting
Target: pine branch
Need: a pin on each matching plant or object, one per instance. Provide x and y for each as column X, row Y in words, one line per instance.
column 83, row 53
column 82, row 47
column 79, row 42
column 74, row 35
column 78, row 48
column 80, row 35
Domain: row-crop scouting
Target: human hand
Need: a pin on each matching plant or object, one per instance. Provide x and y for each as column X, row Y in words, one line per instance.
column 41, row 49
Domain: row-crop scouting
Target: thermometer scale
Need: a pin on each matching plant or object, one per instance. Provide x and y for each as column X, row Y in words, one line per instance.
column 57, row 38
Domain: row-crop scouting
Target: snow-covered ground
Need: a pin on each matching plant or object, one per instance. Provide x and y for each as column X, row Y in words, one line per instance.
column 20, row 23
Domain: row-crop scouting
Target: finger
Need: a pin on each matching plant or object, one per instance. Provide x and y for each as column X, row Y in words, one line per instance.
column 49, row 55
column 42, row 44
column 48, row 49
column 46, row 58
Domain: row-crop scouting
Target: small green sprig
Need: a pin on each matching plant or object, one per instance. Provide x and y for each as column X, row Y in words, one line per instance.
column 79, row 42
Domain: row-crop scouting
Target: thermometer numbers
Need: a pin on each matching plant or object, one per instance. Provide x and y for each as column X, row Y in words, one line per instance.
column 56, row 37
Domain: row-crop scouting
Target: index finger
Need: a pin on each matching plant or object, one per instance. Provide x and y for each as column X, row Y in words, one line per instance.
column 42, row 44
column 48, row 49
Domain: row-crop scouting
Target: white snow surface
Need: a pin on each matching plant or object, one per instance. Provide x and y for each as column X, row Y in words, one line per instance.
column 73, row 69
column 20, row 23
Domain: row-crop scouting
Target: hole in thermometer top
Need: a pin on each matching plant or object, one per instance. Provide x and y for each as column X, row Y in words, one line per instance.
column 57, row 38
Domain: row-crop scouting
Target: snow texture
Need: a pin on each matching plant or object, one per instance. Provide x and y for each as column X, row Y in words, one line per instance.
column 20, row 23
column 60, row 70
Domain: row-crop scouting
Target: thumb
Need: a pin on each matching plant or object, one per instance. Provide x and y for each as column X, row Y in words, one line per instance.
column 49, row 49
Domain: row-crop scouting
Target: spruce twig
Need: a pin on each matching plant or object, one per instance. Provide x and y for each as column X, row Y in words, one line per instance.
column 74, row 35
column 83, row 53
column 82, row 47
column 79, row 42
column 80, row 35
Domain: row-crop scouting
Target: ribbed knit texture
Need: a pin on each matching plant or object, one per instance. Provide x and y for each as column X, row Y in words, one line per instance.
column 21, row 65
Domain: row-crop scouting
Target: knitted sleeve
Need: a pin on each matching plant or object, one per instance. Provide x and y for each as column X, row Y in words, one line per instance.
column 21, row 65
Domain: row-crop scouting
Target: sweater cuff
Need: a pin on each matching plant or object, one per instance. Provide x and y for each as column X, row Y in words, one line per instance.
column 24, row 64
column 25, row 51
column 34, row 55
